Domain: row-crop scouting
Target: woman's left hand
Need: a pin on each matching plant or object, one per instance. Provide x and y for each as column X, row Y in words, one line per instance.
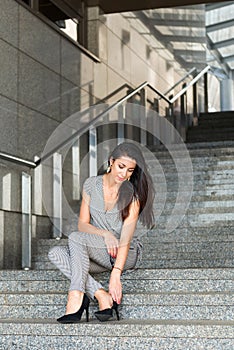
column 115, row 286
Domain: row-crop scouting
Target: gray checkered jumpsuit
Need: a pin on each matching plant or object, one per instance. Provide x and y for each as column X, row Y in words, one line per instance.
column 87, row 253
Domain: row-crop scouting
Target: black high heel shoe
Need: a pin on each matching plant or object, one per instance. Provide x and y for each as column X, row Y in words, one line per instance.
column 76, row 317
column 105, row 315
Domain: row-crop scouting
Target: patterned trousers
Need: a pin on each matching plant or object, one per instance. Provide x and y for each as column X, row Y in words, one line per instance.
column 86, row 253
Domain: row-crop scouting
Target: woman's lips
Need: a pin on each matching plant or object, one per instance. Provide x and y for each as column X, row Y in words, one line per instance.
column 120, row 178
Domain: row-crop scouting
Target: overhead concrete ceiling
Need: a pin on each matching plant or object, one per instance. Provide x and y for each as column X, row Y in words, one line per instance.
column 109, row 6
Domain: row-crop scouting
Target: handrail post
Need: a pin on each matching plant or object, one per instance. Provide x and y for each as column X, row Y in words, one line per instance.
column 76, row 170
column 121, row 120
column 26, row 221
column 143, row 121
column 195, row 114
column 92, row 151
column 206, row 93
column 57, row 196
column 171, row 111
column 153, row 125
column 183, row 113
column 156, row 105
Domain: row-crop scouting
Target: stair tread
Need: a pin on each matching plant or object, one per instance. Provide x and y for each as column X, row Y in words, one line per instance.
column 150, row 328
column 157, row 275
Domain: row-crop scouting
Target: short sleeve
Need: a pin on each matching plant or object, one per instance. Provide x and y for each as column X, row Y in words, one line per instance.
column 87, row 187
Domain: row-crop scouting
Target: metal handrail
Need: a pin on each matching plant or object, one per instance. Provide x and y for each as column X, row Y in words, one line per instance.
column 181, row 80
column 17, row 160
column 118, row 103
column 192, row 82
column 89, row 124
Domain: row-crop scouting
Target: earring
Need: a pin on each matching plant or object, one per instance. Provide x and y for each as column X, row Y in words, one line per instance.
column 108, row 169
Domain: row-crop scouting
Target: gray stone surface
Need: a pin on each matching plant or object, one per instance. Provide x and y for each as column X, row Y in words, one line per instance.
column 139, row 281
column 124, row 335
column 8, row 120
column 36, row 39
column 9, row 22
column 9, row 71
column 70, row 62
column 70, row 99
column 39, row 87
column 36, row 128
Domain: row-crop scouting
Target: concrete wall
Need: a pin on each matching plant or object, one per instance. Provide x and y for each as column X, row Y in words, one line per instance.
column 45, row 78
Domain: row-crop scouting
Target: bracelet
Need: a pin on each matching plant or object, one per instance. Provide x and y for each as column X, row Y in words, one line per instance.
column 115, row 267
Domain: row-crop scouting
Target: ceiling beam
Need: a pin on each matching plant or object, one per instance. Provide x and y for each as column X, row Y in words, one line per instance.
column 185, row 39
column 191, row 53
column 211, row 7
column 224, row 43
column 228, row 58
column 218, row 26
column 218, row 56
column 176, row 22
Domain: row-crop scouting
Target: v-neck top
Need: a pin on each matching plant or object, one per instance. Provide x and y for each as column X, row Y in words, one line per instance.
column 106, row 219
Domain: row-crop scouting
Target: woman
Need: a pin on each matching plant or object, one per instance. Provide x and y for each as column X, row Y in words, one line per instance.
column 111, row 206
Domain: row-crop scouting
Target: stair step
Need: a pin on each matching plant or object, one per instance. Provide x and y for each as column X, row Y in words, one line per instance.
column 199, row 248
column 126, row 334
column 196, row 152
column 175, row 263
column 161, row 264
column 139, row 281
column 217, row 114
column 186, row 251
column 216, row 306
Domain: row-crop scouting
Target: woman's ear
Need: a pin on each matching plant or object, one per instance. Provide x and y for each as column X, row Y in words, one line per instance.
column 111, row 161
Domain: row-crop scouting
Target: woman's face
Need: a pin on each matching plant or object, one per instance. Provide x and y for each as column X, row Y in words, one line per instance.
column 122, row 168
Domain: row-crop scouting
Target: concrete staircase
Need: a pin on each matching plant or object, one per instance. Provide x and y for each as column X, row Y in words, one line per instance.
column 181, row 297
column 217, row 126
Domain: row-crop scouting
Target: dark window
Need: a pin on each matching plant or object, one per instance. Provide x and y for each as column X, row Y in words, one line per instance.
column 68, row 23
column 26, row 2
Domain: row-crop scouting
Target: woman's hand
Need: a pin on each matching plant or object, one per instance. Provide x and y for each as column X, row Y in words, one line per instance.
column 115, row 286
column 112, row 243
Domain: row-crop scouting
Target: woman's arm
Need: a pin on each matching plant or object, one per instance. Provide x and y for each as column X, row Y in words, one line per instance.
column 128, row 229
column 85, row 226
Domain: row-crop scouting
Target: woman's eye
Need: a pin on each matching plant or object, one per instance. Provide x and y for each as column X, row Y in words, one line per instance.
column 121, row 167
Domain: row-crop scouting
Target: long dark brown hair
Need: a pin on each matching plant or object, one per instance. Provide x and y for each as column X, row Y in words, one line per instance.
column 139, row 187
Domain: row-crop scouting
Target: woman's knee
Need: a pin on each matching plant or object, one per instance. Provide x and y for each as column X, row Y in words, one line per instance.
column 53, row 253
column 76, row 237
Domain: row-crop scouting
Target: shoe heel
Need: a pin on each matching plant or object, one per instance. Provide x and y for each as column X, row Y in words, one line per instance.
column 87, row 314
column 117, row 314
column 116, row 308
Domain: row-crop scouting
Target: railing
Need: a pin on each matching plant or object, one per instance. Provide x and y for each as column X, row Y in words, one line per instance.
column 91, row 127
column 120, row 102
column 26, row 194
column 192, row 71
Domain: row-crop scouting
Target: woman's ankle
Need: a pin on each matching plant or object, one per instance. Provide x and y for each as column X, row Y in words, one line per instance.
column 74, row 301
column 104, row 299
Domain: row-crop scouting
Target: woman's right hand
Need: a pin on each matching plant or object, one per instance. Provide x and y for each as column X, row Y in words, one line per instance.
column 112, row 243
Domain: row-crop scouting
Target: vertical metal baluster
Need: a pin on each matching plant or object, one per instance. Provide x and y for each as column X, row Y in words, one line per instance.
column 57, row 196
column 206, row 105
column 143, row 121
column 92, row 151
column 26, row 221
column 121, row 121
column 76, row 169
